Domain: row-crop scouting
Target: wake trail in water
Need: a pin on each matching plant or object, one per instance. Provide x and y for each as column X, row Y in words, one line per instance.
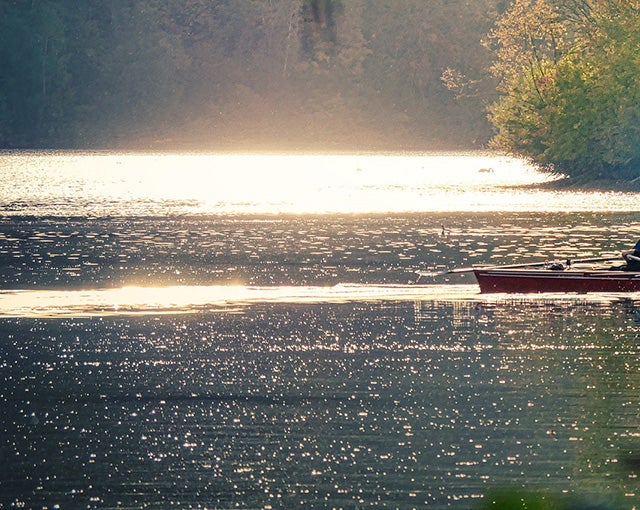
column 233, row 299
column 224, row 298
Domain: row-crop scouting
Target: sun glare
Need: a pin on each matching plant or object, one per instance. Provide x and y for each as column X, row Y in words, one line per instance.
column 125, row 184
column 300, row 184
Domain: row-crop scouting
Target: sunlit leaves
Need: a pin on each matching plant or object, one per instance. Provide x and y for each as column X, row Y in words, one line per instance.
column 530, row 34
column 569, row 77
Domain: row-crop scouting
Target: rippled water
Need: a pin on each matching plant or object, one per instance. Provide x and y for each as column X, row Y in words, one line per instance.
column 218, row 343
column 331, row 405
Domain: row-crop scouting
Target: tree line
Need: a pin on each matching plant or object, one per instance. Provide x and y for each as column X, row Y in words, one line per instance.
column 242, row 73
column 558, row 78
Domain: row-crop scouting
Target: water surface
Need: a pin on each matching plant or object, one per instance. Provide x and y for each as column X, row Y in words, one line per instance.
column 126, row 184
column 215, row 331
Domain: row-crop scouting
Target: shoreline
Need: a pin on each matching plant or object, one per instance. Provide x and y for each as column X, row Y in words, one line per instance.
column 603, row 185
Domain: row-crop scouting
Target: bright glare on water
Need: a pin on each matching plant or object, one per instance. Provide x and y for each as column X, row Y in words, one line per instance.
column 115, row 184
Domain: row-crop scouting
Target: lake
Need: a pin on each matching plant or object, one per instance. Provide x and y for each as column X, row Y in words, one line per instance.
column 249, row 331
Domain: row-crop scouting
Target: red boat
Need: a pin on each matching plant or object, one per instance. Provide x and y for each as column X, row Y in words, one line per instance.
column 512, row 280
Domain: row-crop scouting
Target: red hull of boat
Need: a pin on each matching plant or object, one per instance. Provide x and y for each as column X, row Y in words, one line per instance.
column 541, row 280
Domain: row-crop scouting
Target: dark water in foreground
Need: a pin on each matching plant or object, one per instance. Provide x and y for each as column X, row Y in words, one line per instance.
column 228, row 331
column 380, row 402
column 396, row 405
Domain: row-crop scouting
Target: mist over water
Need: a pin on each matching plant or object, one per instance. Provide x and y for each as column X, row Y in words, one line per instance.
column 249, row 332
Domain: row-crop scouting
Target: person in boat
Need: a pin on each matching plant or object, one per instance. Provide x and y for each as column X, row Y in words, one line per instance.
column 632, row 258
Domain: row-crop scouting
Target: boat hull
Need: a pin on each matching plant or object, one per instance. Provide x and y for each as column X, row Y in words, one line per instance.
column 544, row 280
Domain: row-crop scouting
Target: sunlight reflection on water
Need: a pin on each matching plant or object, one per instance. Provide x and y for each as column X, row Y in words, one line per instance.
column 115, row 184
column 233, row 298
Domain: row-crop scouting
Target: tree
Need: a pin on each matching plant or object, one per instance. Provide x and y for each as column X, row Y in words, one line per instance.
column 570, row 97
column 35, row 74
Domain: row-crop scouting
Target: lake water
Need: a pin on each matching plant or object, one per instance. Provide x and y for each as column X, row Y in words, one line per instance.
column 249, row 331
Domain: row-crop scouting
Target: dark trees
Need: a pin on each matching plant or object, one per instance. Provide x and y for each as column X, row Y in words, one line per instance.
column 248, row 73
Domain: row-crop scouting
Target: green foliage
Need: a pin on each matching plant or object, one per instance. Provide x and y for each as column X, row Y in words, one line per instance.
column 571, row 94
column 217, row 72
column 520, row 499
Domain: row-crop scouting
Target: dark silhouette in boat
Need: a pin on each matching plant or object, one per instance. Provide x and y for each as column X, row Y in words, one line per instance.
column 632, row 258
column 538, row 277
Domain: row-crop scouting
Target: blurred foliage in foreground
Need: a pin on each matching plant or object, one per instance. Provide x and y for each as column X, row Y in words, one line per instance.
column 515, row 499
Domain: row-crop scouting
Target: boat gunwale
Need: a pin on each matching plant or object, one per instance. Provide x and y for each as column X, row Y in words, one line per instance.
column 497, row 280
column 559, row 274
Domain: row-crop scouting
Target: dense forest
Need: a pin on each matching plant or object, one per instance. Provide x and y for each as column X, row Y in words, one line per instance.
column 246, row 74
column 558, row 78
